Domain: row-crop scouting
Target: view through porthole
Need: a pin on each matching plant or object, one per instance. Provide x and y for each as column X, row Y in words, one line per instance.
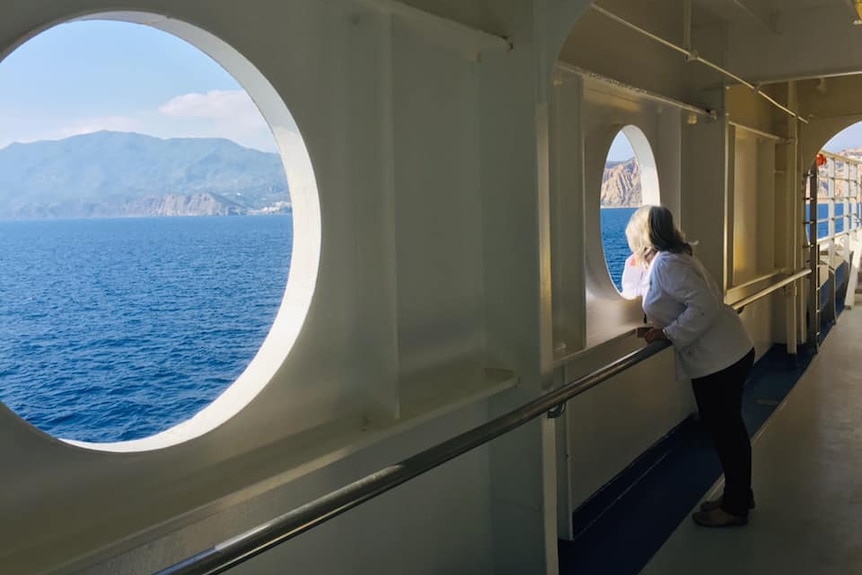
column 147, row 231
column 838, row 197
column 629, row 180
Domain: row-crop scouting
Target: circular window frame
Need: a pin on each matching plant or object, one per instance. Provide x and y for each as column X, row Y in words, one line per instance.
column 650, row 190
column 306, row 249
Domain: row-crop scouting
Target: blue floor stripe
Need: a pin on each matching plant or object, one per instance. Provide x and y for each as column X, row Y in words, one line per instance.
column 621, row 527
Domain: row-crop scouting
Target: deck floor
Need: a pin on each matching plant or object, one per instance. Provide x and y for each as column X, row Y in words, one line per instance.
column 807, row 480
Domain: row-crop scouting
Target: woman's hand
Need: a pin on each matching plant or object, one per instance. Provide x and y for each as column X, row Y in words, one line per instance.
column 654, row 334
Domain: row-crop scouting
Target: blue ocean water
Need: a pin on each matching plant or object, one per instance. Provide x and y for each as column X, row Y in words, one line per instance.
column 117, row 329
column 614, row 221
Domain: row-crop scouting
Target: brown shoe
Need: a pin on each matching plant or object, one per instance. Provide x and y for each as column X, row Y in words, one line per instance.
column 719, row 518
column 716, row 504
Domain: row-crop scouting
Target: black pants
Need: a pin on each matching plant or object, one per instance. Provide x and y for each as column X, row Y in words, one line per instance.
column 719, row 400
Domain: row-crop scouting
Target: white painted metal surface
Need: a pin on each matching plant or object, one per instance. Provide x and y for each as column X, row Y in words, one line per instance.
column 457, row 175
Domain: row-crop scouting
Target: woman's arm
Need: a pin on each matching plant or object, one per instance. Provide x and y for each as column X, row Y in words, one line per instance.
column 634, row 278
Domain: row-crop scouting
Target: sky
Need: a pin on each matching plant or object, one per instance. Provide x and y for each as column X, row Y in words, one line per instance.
column 621, row 149
column 851, row 137
column 848, row 138
column 88, row 76
column 84, row 77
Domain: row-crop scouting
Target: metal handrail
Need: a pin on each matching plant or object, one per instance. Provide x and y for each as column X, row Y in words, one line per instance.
column 755, row 281
column 739, row 305
column 236, row 550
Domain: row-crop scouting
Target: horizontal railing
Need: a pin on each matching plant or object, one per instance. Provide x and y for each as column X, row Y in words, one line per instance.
column 739, row 305
column 230, row 553
column 756, row 281
column 236, row 550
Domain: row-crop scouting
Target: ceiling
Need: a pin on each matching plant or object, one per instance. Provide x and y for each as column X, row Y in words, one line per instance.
column 767, row 15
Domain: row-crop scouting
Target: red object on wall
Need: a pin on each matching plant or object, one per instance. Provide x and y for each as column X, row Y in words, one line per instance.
column 821, row 160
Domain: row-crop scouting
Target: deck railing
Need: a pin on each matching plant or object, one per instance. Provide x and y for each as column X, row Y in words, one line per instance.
column 236, row 550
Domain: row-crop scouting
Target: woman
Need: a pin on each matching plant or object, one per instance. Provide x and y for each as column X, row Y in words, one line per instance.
column 712, row 348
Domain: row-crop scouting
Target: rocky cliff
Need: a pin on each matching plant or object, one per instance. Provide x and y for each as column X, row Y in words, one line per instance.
column 621, row 184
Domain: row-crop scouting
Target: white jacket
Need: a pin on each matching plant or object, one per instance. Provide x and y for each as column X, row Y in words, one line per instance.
column 684, row 301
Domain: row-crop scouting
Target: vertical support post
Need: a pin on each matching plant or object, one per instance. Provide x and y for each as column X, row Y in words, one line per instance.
column 729, row 206
column 568, row 256
column 830, row 208
column 686, row 25
column 853, row 226
column 376, row 280
column 813, row 259
column 790, row 238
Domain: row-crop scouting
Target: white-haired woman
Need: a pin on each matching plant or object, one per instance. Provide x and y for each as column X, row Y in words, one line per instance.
column 685, row 305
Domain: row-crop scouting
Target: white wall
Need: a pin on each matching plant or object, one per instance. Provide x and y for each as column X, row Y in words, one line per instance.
column 613, row 423
column 606, row 428
column 587, row 115
column 745, row 217
column 458, row 186
column 434, row 524
column 419, row 291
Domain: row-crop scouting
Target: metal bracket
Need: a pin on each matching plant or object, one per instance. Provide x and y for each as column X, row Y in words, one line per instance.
column 556, row 411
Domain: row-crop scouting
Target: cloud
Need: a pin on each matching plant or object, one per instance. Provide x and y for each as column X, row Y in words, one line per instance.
column 216, row 104
column 229, row 114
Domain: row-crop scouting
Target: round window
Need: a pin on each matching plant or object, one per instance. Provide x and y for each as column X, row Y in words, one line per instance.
column 630, row 179
column 148, row 233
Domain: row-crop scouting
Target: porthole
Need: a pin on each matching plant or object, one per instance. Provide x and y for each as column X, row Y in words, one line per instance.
column 630, row 179
column 161, row 238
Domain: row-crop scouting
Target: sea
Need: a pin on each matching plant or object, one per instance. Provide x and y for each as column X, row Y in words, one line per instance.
column 614, row 244
column 116, row 329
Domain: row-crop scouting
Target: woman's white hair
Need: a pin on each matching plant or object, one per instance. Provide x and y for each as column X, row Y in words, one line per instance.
column 637, row 234
column 651, row 229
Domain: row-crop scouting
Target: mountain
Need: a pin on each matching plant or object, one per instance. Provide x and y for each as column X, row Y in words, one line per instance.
column 621, row 184
column 112, row 174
